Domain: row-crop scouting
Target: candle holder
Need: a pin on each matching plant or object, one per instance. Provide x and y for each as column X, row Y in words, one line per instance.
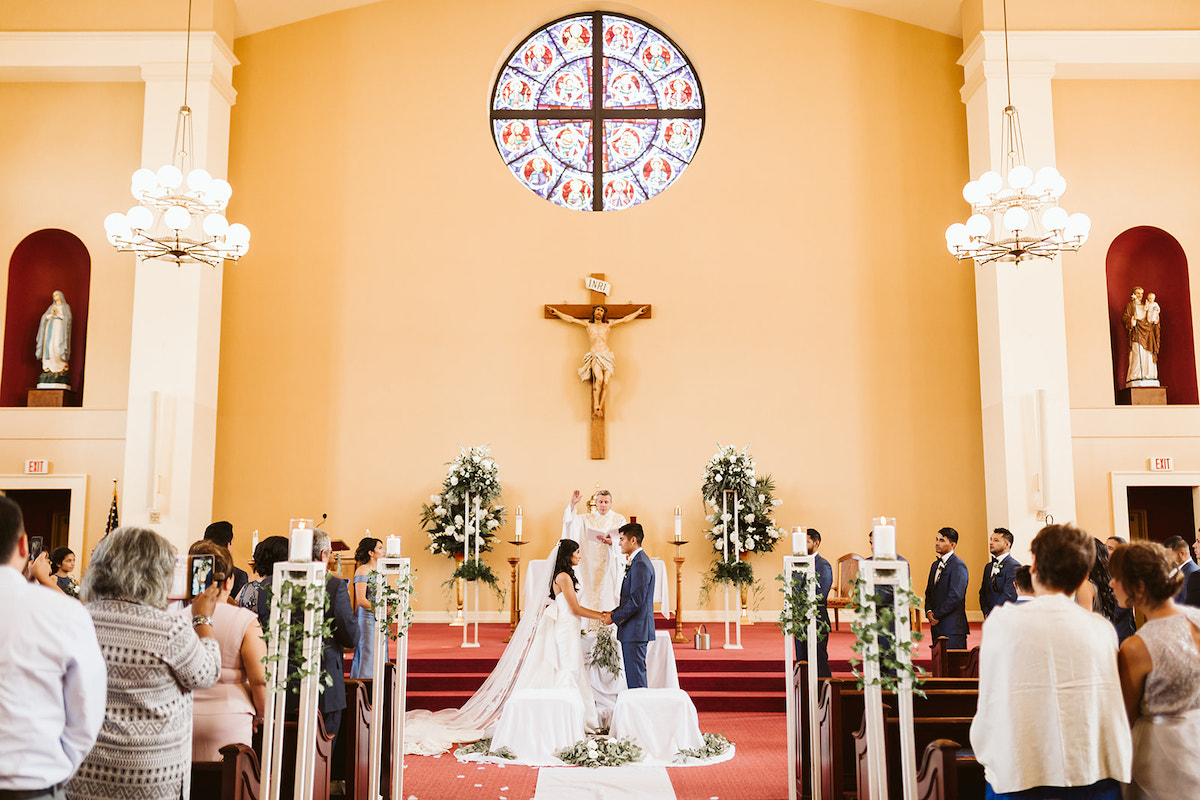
column 514, row 616
column 679, row 638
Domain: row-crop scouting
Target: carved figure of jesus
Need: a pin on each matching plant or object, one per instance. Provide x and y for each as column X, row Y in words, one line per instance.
column 599, row 362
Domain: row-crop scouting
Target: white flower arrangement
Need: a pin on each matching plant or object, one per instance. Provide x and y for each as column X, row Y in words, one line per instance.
column 752, row 507
column 473, row 472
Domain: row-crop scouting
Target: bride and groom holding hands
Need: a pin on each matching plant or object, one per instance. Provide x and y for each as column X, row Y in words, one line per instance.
column 546, row 649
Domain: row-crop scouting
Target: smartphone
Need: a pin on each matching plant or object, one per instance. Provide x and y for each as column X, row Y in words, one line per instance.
column 35, row 547
column 200, row 574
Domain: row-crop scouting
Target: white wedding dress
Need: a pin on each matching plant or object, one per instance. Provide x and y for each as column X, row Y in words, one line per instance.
column 545, row 652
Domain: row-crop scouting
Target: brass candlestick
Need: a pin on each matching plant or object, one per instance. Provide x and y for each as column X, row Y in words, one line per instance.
column 678, row 638
column 515, row 583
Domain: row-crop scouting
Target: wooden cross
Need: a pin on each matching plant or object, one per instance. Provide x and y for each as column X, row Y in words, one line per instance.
column 597, row 369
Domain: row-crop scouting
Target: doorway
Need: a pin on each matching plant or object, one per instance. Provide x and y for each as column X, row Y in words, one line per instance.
column 47, row 514
column 1161, row 512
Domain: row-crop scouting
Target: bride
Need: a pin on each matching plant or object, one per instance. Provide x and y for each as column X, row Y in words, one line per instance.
column 545, row 652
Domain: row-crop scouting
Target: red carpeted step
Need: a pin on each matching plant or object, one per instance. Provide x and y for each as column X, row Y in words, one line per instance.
column 733, row 682
column 435, row 700
column 740, row 701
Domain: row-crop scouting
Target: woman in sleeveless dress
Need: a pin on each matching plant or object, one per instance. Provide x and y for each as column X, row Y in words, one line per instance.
column 545, row 651
column 1159, row 666
column 228, row 712
column 366, row 557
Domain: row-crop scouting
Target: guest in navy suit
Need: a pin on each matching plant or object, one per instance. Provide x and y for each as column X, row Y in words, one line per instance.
column 998, row 587
column 824, row 584
column 946, row 592
column 634, row 614
column 1184, row 564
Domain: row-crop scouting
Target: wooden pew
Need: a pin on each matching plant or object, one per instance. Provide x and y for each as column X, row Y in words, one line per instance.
column 949, row 772
column 385, row 761
column 838, row 701
column 925, row 731
column 356, row 727
column 803, row 749
column 949, row 663
column 324, row 761
column 234, row 777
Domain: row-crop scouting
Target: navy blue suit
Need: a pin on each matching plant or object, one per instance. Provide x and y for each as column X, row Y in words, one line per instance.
column 998, row 587
column 1188, row 569
column 824, row 584
column 634, row 616
column 947, row 599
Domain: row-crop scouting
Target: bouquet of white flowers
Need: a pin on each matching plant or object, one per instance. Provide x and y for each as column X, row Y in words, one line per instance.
column 444, row 517
column 740, row 522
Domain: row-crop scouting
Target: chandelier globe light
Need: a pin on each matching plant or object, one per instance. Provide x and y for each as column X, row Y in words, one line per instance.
column 180, row 211
column 1016, row 216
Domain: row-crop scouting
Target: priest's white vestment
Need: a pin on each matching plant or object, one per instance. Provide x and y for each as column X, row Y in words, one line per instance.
column 599, row 572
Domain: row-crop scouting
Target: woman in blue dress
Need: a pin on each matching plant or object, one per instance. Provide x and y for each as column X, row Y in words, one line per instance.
column 369, row 551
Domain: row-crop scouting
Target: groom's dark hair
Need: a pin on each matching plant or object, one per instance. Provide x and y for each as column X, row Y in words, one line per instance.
column 633, row 530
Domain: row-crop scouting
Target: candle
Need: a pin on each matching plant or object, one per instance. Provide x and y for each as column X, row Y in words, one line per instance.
column 799, row 541
column 519, row 520
column 678, row 524
column 301, row 545
column 393, row 547
column 254, row 542
column 883, row 535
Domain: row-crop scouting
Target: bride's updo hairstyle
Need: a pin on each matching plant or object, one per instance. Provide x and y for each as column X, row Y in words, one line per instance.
column 1144, row 568
column 566, row 549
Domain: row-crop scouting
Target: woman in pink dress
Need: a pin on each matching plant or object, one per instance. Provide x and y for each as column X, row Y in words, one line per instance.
column 228, row 712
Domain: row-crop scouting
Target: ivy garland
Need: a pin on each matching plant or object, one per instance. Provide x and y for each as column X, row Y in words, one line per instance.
column 601, row 752
column 484, row 747
column 604, row 653
column 799, row 609
column 471, row 570
column 882, row 631
column 395, row 596
column 714, row 745
column 291, row 630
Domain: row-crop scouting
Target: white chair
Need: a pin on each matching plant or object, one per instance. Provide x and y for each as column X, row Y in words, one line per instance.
column 536, row 723
column 662, row 721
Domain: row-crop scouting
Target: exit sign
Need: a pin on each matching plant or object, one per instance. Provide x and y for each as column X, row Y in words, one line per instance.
column 37, row 466
column 1161, row 465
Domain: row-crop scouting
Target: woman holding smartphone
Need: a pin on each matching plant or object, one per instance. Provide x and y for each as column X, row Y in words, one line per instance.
column 228, row 712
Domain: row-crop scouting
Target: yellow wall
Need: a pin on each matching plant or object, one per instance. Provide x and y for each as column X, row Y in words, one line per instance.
column 390, row 307
column 66, row 153
column 1151, row 125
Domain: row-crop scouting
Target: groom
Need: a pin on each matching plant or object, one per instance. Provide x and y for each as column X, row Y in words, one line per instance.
column 634, row 614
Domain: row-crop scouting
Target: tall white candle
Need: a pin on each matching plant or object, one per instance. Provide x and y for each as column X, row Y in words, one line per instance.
column 883, row 535
column 300, row 548
column 393, row 547
column 799, row 541
column 678, row 524
column 519, row 521
column 254, row 542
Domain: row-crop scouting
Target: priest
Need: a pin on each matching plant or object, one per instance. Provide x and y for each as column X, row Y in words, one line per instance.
column 596, row 531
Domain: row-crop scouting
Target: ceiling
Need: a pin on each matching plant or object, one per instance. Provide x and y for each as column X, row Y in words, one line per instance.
column 260, row 15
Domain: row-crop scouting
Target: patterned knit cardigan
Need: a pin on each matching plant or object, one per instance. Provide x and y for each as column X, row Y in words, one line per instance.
column 154, row 661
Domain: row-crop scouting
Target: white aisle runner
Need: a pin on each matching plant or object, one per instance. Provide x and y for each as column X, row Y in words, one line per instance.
column 603, row 783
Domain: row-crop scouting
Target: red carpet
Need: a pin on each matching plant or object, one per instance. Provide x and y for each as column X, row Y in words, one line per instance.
column 757, row 772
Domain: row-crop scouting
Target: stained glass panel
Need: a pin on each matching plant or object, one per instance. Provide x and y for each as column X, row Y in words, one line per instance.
column 625, row 145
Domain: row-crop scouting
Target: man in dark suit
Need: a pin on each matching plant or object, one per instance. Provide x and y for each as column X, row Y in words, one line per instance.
column 946, row 593
column 824, row 584
column 634, row 613
column 998, row 587
column 1183, row 562
column 344, row 634
column 222, row 533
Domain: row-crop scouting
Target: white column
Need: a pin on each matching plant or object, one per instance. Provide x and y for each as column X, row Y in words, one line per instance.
column 1021, row 314
column 170, row 440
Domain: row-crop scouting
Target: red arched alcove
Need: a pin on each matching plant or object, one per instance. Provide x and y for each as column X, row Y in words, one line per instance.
column 1153, row 259
column 44, row 261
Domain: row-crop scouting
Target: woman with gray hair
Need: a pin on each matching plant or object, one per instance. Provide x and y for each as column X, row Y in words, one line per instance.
column 155, row 660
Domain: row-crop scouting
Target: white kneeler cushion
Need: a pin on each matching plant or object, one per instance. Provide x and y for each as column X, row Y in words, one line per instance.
column 662, row 721
column 536, row 723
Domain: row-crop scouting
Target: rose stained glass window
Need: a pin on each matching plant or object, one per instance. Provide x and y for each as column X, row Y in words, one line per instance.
column 597, row 139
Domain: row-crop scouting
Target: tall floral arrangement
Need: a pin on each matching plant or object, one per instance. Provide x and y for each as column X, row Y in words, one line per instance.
column 754, row 530
column 473, row 472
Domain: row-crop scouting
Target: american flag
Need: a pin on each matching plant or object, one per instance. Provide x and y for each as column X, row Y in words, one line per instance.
column 113, row 522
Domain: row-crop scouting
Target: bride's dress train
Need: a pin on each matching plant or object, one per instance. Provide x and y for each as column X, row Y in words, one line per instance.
column 545, row 652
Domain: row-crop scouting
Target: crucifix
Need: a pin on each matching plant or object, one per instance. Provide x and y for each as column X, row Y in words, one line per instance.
column 598, row 362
